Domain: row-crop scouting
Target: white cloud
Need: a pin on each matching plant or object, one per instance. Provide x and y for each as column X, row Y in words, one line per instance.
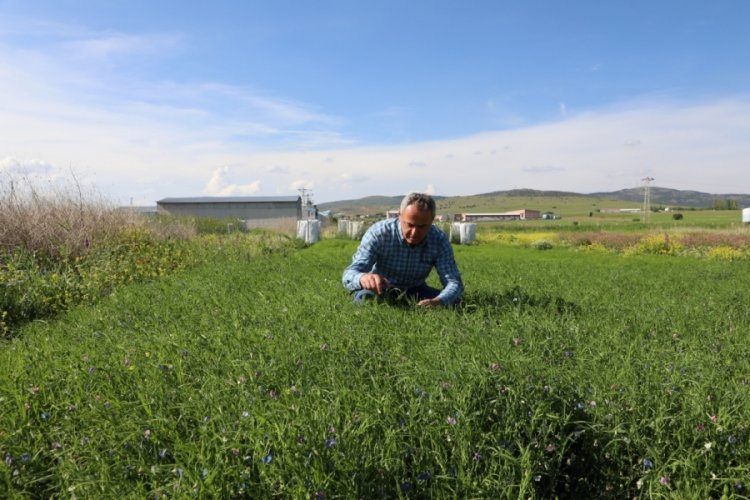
column 347, row 177
column 302, row 184
column 543, row 169
column 107, row 46
column 277, row 169
column 27, row 167
column 220, row 185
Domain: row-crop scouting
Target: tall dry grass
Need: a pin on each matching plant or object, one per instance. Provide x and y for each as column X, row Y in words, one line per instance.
column 63, row 221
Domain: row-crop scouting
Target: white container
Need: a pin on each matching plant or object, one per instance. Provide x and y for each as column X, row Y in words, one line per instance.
column 308, row 230
column 746, row 215
column 455, row 234
column 356, row 229
column 468, row 233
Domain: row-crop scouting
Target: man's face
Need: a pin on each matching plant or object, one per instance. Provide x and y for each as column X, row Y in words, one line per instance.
column 415, row 224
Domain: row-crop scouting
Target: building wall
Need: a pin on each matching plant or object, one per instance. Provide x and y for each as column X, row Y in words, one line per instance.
column 515, row 215
column 239, row 210
column 488, row 217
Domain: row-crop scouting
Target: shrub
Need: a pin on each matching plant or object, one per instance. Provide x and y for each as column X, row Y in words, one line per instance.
column 542, row 244
column 677, row 216
column 656, row 244
column 726, row 253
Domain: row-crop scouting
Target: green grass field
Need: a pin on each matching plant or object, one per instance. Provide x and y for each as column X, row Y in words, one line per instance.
column 562, row 373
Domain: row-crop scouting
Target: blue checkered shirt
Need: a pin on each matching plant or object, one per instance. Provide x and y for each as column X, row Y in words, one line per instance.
column 383, row 251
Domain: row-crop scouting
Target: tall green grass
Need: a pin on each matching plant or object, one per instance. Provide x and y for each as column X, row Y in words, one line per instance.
column 582, row 375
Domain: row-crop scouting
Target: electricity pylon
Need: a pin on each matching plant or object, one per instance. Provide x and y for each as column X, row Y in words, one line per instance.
column 646, row 198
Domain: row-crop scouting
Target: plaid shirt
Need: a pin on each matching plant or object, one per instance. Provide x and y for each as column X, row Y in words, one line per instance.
column 383, row 251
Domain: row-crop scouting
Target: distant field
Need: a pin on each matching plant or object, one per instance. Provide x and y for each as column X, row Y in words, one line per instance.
column 574, row 221
column 579, row 209
column 564, row 373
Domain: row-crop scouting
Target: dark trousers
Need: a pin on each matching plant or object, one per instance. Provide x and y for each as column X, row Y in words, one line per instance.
column 415, row 293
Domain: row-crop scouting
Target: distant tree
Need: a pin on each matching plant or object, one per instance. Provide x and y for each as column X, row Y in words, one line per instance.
column 725, row 204
column 677, row 216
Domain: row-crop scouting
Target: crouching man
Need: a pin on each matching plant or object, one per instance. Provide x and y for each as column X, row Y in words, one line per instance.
column 395, row 257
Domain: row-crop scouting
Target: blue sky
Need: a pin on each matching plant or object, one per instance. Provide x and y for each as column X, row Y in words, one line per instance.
column 153, row 99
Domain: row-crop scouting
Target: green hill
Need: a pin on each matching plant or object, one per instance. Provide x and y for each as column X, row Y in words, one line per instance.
column 561, row 202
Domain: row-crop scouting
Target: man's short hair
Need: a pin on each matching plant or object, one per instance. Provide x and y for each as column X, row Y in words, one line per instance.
column 421, row 200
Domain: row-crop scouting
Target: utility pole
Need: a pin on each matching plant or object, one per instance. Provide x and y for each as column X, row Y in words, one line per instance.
column 307, row 201
column 646, row 198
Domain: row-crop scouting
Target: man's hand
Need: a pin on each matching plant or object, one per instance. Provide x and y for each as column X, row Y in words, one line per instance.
column 374, row 282
column 430, row 302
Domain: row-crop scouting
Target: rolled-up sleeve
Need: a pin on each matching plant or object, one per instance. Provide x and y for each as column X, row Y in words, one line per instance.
column 362, row 262
column 449, row 275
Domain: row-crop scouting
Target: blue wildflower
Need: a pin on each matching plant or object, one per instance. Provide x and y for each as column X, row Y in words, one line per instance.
column 405, row 487
column 45, row 415
column 732, row 440
column 25, row 458
column 267, row 459
column 648, row 464
column 423, row 476
column 330, row 442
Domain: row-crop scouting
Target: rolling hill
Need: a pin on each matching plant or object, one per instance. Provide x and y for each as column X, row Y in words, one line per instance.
column 542, row 200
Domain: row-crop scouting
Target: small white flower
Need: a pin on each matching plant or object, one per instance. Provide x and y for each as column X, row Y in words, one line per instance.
column 708, row 445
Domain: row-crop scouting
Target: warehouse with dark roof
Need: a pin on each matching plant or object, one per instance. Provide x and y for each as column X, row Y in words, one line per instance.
column 256, row 211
